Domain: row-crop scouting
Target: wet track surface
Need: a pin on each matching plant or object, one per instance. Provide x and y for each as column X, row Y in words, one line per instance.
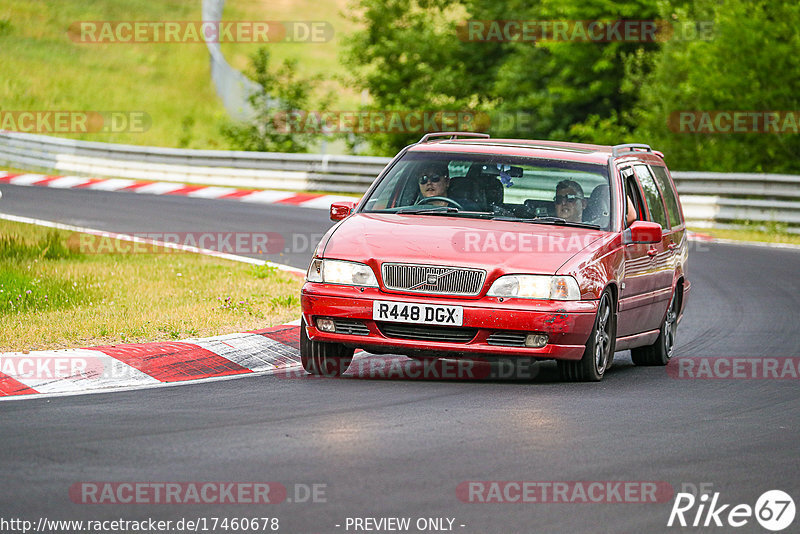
column 400, row 448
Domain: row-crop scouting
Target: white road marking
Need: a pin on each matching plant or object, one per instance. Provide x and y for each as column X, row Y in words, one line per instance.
column 127, row 237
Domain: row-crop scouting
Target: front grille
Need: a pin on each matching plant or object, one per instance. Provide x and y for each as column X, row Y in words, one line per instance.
column 349, row 326
column 424, row 332
column 507, row 339
column 448, row 280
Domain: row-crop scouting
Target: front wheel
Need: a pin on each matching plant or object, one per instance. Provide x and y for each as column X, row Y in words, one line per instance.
column 325, row 359
column 599, row 347
column 660, row 352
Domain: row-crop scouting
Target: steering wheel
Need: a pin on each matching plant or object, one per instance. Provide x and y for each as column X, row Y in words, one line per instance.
column 426, row 200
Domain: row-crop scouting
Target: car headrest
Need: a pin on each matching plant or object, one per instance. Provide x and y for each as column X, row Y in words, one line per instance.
column 494, row 190
column 599, row 203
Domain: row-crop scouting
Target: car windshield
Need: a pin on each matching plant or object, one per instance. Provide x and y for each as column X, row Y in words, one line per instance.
column 497, row 187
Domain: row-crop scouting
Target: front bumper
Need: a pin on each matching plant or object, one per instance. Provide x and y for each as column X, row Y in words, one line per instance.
column 566, row 323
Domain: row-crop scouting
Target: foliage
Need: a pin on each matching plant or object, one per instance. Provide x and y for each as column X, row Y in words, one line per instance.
column 751, row 64
column 411, row 56
column 283, row 96
column 408, row 56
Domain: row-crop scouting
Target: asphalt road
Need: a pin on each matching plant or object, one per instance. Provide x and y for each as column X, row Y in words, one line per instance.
column 400, row 448
column 297, row 229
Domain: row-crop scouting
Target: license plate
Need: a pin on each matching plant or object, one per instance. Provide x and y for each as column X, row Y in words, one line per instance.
column 409, row 312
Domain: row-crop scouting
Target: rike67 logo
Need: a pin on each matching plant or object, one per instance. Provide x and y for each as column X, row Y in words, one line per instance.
column 774, row 510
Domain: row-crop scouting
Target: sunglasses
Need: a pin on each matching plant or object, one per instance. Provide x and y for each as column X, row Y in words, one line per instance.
column 433, row 178
column 560, row 199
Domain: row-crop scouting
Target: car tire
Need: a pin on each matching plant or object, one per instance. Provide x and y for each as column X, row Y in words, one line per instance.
column 323, row 359
column 599, row 347
column 660, row 352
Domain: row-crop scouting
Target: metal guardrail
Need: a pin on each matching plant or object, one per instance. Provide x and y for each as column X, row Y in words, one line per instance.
column 707, row 198
column 296, row 172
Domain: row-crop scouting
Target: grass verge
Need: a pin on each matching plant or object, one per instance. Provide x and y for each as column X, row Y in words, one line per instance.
column 44, row 69
column 54, row 296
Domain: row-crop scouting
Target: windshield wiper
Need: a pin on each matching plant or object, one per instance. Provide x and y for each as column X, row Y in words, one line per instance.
column 447, row 210
column 434, row 210
column 557, row 221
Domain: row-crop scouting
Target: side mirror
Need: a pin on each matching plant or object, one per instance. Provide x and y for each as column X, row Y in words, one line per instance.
column 340, row 210
column 645, row 232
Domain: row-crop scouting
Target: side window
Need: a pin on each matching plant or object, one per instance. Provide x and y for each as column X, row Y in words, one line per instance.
column 670, row 198
column 388, row 191
column 652, row 196
column 632, row 193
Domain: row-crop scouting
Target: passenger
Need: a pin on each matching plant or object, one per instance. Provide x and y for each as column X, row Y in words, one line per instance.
column 631, row 212
column 569, row 201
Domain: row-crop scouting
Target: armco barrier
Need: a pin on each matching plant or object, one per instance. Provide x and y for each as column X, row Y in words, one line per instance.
column 708, row 198
column 296, row 172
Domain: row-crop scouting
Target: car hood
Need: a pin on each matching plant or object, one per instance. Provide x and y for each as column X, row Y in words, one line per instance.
column 502, row 246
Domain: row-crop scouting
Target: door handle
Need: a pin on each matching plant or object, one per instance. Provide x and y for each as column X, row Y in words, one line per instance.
column 652, row 251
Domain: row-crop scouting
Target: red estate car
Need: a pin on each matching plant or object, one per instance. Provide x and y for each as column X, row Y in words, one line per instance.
column 479, row 248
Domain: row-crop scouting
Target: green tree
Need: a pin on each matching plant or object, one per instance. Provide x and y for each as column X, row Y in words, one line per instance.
column 410, row 55
column 574, row 89
column 283, row 107
column 750, row 64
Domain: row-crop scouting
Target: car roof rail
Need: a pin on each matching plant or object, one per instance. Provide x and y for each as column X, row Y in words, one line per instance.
column 453, row 135
column 617, row 150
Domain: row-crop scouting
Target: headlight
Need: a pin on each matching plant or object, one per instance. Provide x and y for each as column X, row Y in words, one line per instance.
column 341, row 272
column 533, row 286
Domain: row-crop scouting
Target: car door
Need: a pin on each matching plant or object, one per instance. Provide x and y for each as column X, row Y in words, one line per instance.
column 637, row 284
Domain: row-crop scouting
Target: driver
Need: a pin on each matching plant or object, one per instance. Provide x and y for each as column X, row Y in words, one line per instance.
column 433, row 181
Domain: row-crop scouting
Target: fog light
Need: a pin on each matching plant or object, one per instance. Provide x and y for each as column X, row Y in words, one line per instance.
column 536, row 340
column 326, row 325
